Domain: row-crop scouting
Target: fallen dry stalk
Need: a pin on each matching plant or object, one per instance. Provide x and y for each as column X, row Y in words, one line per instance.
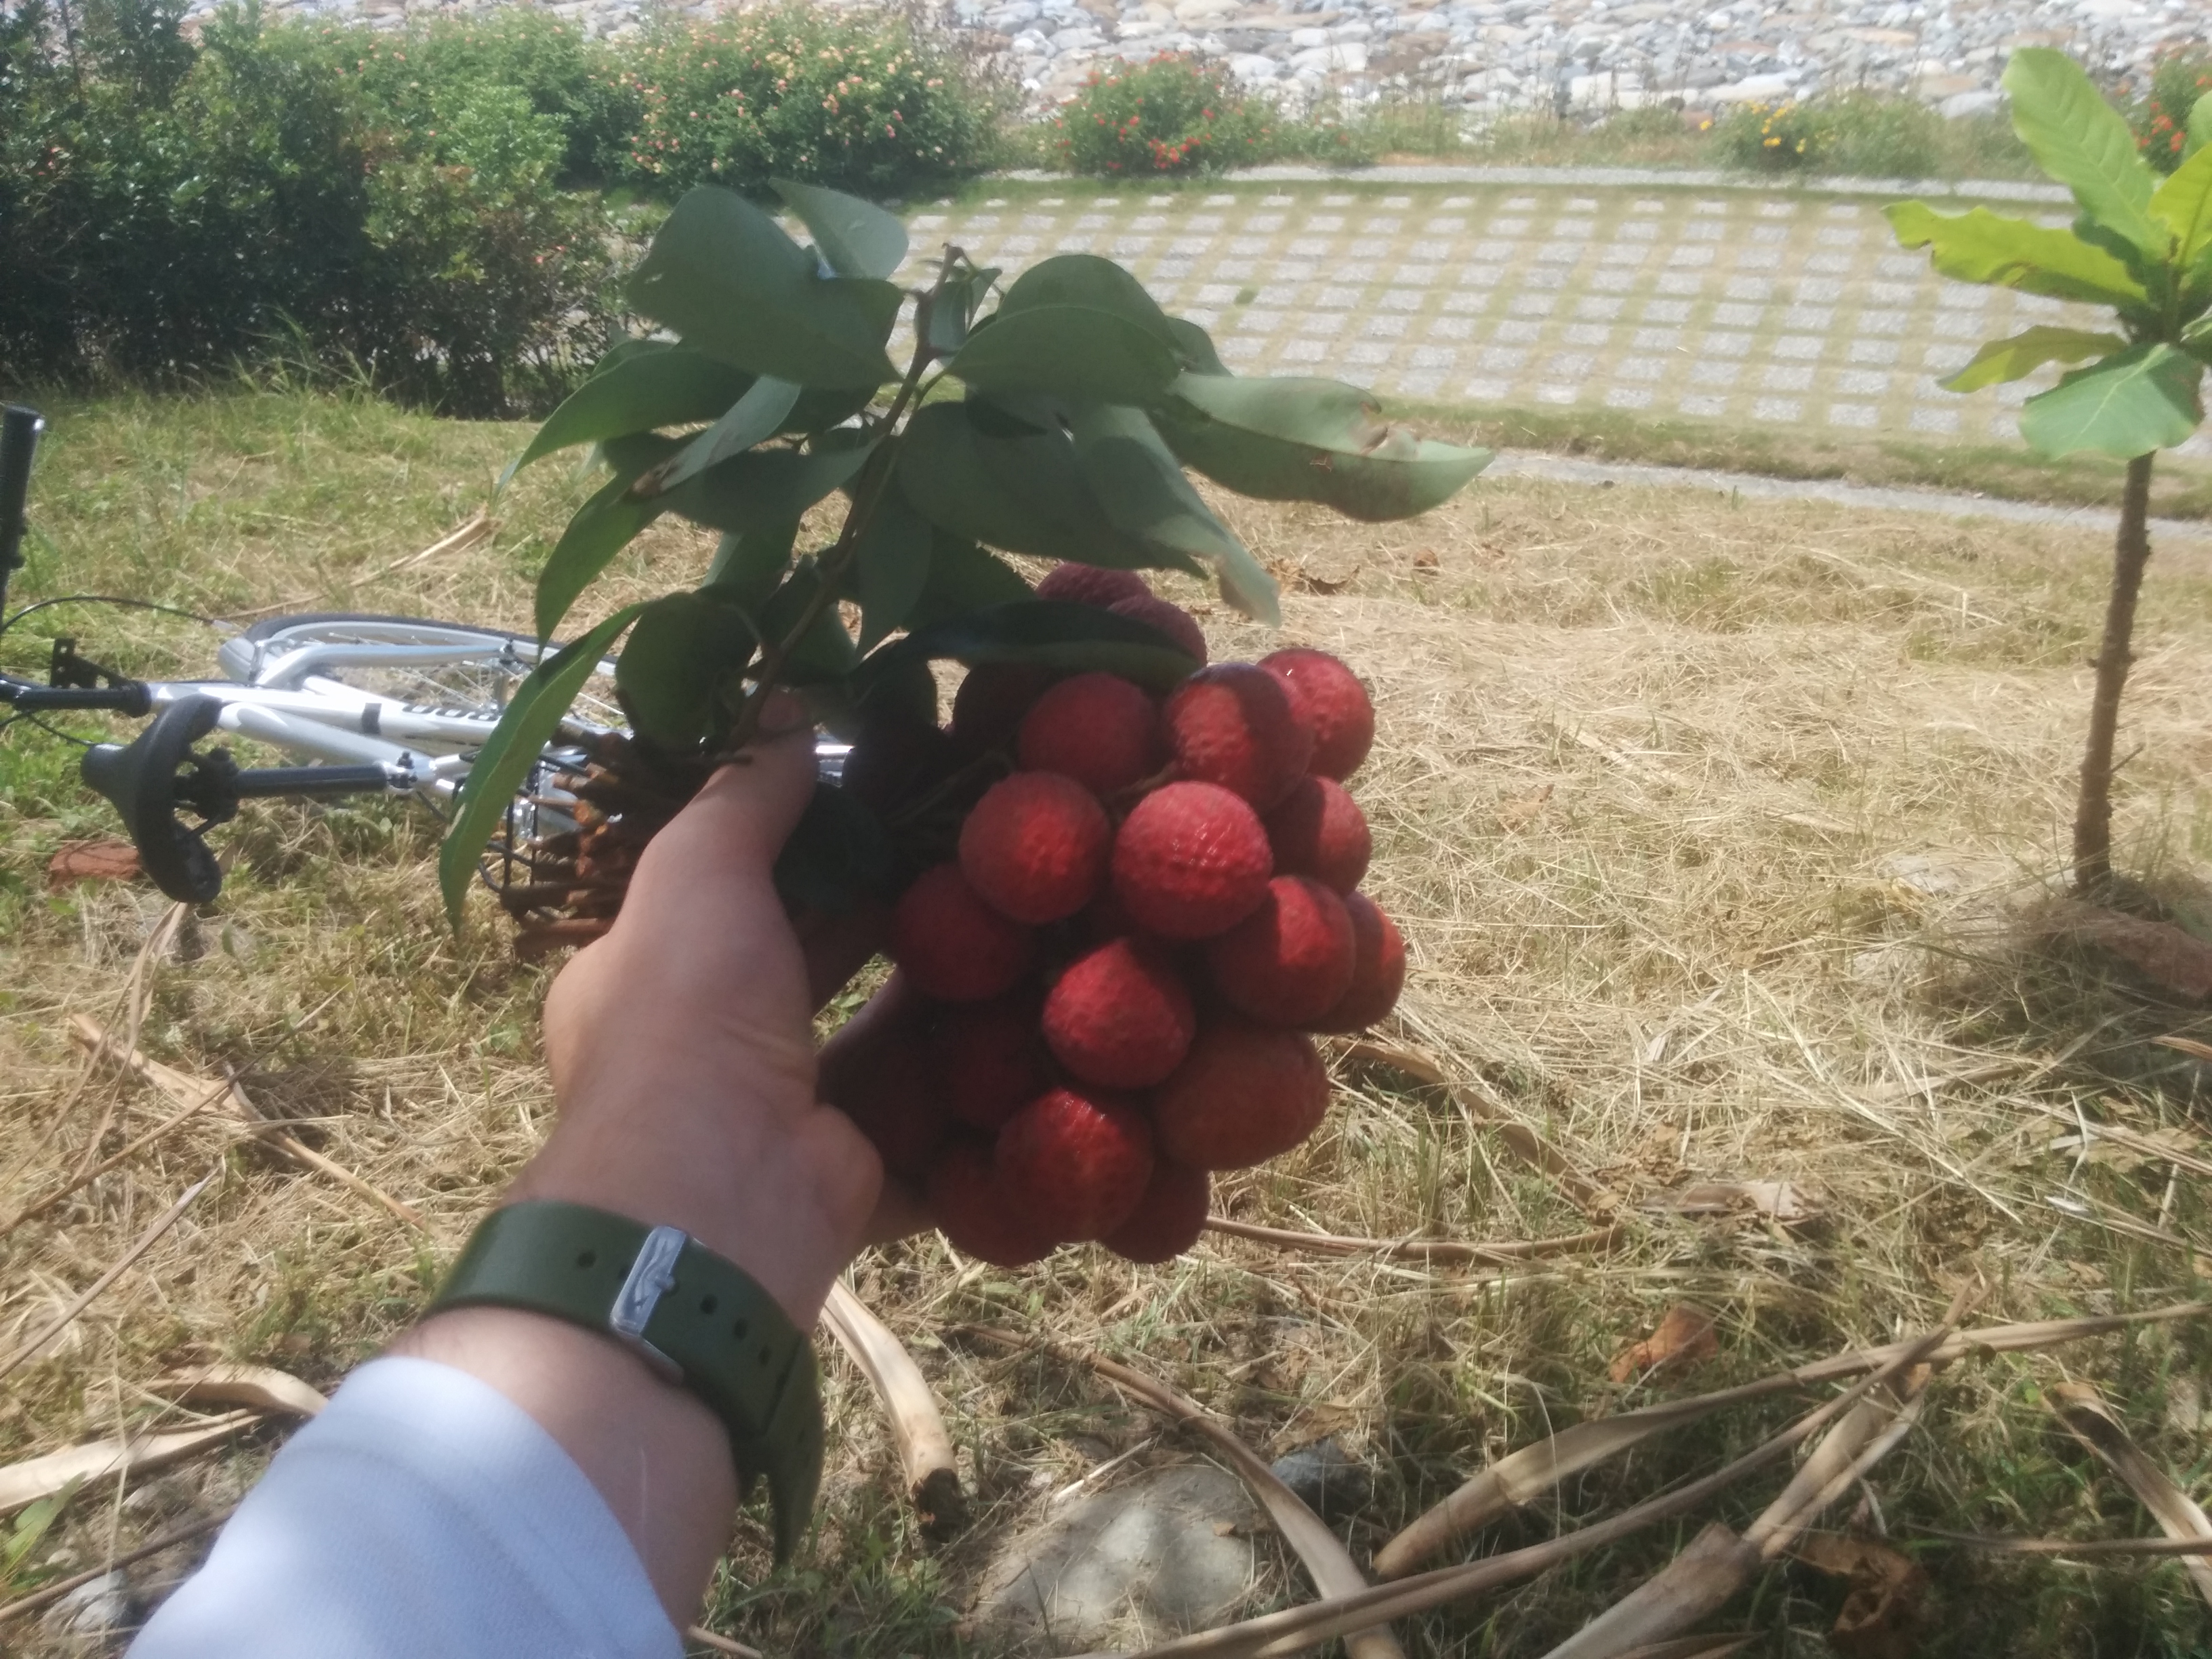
column 46, row 1594
column 1522, row 1477
column 1419, row 1249
column 39, row 1207
column 1328, row 1564
column 2005, row 1544
column 145, row 1242
column 925, row 1449
column 42, row 1477
column 1295, row 1629
column 181, row 1087
column 2091, row 1421
column 706, row 1638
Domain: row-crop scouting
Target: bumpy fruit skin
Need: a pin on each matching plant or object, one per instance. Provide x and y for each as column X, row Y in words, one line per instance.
column 976, row 1213
column 893, row 1101
column 1190, row 860
column 1120, row 1016
column 1378, row 971
column 951, row 945
column 989, row 1059
column 1331, row 703
column 1095, row 728
column 1319, row 830
column 1087, row 584
column 1232, row 725
column 1076, row 1162
column 1172, row 620
column 1168, row 1219
column 1246, row 1093
column 1290, row 960
column 1035, row 847
column 988, row 708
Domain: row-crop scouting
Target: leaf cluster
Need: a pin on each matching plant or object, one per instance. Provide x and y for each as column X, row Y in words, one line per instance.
column 1056, row 423
column 2140, row 244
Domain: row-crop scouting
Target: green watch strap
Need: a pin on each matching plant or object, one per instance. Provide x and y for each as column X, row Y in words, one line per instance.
column 691, row 1315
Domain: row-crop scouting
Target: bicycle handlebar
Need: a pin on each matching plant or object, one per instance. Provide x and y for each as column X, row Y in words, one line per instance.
column 19, row 437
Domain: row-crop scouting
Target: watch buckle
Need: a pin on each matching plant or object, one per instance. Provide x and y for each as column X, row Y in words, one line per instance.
column 651, row 1276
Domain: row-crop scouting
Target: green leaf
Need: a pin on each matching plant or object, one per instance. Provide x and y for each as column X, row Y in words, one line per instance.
column 763, row 489
column 754, row 418
column 836, row 857
column 819, row 409
column 891, row 562
column 2200, row 124
column 857, row 238
column 964, row 577
column 679, row 665
column 1148, row 499
column 724, row 275
column 1285, row 439
column 1072, row 351
column 1089, row 281
column 952, row 311
column 514, row 747
column 2016, row 358
column 1067, row 638
column 656, row 383
column 602, row 527
column 2137, row 401
column 2085, row 145
column 825, row 651
column 1982, row 247
column 2184, row 204
column 748, row 563
column 1194, row 348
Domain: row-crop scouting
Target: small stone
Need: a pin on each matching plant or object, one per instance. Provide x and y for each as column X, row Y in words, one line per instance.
column 1327, row 1479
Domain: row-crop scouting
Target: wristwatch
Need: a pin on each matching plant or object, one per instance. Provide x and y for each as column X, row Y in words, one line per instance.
column 693, row 1317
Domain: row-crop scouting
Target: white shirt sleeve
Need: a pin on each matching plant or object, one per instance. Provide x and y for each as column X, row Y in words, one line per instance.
column 424, row 1515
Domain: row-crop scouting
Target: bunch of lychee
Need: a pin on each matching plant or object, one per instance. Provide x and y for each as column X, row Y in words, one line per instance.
column 1116, row 974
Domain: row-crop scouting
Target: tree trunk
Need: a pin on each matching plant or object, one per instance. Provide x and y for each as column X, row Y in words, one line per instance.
column 2092, row 812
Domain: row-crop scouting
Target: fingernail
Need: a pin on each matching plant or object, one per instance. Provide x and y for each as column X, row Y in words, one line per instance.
column 783, row 713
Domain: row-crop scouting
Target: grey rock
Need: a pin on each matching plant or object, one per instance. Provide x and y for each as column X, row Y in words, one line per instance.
column 92, row 1610
column 1327, row 1479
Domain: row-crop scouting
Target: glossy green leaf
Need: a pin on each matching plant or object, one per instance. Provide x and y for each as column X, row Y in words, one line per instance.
column 1148, row 499
column 837, row 857
column 763, row 489
column 818, row 409
column 952, row 311
column 964, row 577
column 1078, row 352
column 2184, row 205
column 2138, row 400
column 754, row 418
column 825, row 651
column 1285, row 439
column 1067, row 638
column 1194, row 348
column 855, row 238
column 653, row 384
column 2085, row 145
column 680, row 671
column 748, row 563
column 601, row 528
column 2018, row 357
column 892, row 566
column 2200, row 124
column 723, row 275
column 503, row 763
column 1982, row 247
column 1093, row 283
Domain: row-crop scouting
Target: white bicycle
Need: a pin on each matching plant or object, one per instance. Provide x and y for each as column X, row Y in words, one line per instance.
column 370, row 704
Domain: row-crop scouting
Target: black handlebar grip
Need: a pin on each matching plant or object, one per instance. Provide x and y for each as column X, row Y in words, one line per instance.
column 19, row 437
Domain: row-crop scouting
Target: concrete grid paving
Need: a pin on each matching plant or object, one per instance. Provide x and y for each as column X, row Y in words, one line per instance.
column 1734, row 307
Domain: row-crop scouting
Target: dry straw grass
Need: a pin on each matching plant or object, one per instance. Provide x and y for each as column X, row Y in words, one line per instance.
column 1707, row 825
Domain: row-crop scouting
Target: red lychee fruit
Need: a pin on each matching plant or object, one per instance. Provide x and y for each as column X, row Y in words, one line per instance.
column 1190, row 862
column 988, row 708
column 1088, row 584
column 973, row 1211
column 1290, row 960
column 1232, row 725
column 1168, row 1219
column 892, row 1100
column 1077, row 1164
column 892, row 760
column 1097, row 728
column 1244, row 1094
column 1120, row 1016
column 1035, row 847
column 1378, row 970
column 988, row 1059
column 1170, row 619
column 1331, row 703
column 1319, row 830
column 951, row 945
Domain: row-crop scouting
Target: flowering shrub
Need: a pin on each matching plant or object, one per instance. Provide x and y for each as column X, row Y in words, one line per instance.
column 862, row 102
column 1773, row 137
column 1171, row 115
column 2180, row 77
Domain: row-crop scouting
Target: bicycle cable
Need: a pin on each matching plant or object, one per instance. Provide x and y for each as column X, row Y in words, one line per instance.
column 7, row 622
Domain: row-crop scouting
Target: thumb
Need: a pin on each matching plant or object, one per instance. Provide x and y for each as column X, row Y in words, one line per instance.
column 737, row 823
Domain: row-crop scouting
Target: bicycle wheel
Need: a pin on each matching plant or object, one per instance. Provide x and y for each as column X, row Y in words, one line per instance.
column 417, row 660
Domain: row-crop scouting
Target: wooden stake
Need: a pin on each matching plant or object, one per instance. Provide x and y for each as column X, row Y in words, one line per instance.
column 925, row 1449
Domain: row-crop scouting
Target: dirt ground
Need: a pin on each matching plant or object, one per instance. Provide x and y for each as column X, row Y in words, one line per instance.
column 1723, row 837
